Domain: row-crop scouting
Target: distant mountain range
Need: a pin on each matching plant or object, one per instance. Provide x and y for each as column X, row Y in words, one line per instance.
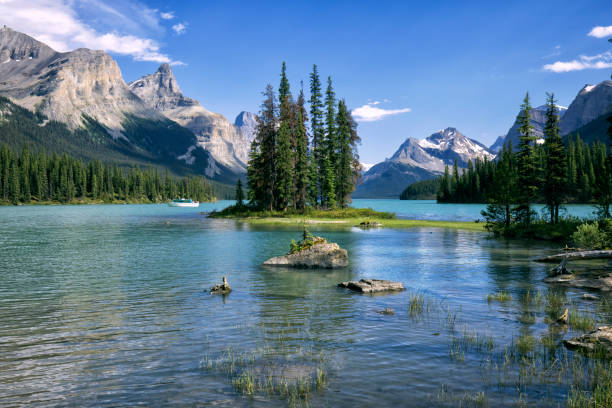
column 147, row 122
column 421, row 159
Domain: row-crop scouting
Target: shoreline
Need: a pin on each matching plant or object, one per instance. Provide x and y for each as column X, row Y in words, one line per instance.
column 354, row 222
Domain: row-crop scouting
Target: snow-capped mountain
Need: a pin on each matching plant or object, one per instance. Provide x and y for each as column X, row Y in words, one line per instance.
column 591, row 102
column 419, row 159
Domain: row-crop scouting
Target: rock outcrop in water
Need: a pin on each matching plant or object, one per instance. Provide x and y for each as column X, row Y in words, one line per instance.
column 221, row 288
column 599, row 340
column 601, row 283
column 372, row 286
column 320, row 255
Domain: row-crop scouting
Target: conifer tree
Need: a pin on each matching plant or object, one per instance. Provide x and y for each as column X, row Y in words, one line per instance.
column 301, row 172
column 554, row 179
column 318, row 135
column 344, row 163
column 239, row 194
column 284, row 157
column 329, row 168
column 526, row 163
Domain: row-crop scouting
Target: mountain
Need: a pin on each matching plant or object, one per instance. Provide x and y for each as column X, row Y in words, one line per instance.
column 592, row 102
column 225, row 141
column 537, row 120
column 81, row 96
column 419, row 159
column 247, row 122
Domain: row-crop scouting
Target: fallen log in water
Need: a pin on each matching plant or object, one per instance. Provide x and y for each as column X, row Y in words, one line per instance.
column 601, row 254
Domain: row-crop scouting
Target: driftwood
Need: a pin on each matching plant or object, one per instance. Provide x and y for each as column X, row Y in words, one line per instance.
column 601, row 254
column 561, row 269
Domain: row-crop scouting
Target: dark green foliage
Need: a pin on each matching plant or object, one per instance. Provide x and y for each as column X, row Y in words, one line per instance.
column 527, row 164
column 554, row 190
column 282, row 172
column 239, row 194
column 30, row 177
column 422, row 190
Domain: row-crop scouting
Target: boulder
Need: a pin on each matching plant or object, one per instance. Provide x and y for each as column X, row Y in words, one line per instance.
column 387, row 311
column 597, row 340
column 321, row 255
column 372, row 286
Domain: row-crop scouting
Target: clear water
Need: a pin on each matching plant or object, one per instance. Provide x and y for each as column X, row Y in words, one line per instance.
column 431, row 210
column 107, row 305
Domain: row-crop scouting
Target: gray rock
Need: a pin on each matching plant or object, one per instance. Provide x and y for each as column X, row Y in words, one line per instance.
column 221, row 288
column 588, row 296
column 225, row 141
column 597, row 340
column 323, row 255
column 372, row 286
column 603, row 283
column 387, row 311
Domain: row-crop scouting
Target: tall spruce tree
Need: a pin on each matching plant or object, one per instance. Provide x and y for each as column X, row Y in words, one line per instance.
column 318, row 135
column 261, row 172
column 554, row 175
column 329, row 168
column 526, row 164
column 284, row 159
column 344, row 162
column 503, row 191
column 239, row 194
column 301, row 172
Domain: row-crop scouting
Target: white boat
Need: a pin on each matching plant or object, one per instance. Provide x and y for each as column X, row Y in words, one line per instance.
column 182, row 202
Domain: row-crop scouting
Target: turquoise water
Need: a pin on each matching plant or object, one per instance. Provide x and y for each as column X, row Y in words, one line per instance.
column 107, row 305
column 431, row 210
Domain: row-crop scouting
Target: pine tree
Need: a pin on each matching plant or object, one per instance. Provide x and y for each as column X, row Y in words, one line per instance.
column 503, row 192
column 301, row 173
column 554, row 179
column 344, row 163
column 284, row 158
column 526, row 163
column 329, row 169
column 261, row 172
column 318, row 135
column 239, row 194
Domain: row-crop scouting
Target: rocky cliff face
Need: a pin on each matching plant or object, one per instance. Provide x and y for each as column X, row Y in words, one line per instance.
column 226, row 142
column 591, row 103
column 420, row 159
column 247, row 123
column 66, row 86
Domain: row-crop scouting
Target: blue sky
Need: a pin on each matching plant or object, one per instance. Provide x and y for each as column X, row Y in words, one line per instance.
column 421, row 66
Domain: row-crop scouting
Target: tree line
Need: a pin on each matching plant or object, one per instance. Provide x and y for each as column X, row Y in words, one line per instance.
column 553, row 173
column 27, row 177
column 288, row 168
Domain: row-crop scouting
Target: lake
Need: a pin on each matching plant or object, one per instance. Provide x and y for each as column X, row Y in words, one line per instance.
column 108, row 305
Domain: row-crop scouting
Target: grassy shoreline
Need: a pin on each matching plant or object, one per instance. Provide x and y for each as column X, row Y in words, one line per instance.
column 354, row 222
column 347, row 217
column 90, row 201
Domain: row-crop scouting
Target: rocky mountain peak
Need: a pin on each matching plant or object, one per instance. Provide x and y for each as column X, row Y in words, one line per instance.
column 247, row 122
column 16, row 46
column 160, row 90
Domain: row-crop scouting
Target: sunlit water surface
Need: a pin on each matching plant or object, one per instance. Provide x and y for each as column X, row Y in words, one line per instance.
column 107, row 305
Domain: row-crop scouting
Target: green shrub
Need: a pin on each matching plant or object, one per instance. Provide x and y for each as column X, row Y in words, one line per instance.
column 589, row 236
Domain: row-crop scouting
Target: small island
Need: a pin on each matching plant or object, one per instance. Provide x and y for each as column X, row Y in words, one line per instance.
column 312, row 252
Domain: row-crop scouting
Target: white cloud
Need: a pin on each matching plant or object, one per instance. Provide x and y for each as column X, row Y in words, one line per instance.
column 180, row 28
column 57, row 23
column 601, row 32
column 167, row 16
column 370, row 113
column 555, row 53
column 599, row 61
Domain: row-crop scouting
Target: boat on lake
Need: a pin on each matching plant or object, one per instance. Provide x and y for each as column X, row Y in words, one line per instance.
column 184, row 202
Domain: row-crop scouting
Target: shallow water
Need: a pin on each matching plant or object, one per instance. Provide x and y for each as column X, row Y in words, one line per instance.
column 107, row 305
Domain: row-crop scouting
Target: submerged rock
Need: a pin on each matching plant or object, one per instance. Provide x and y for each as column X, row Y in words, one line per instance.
column 387, row 311
column 602, row 283
column 372, row 286
column 370, row 224
column 597, row 340
column 588, row 296
column 321, row 255
column 221, row 288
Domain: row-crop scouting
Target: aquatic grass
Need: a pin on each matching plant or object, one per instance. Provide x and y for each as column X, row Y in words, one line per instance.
column 415, row 305
column 580, row 321
column 525, row 344
column 501, row 296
